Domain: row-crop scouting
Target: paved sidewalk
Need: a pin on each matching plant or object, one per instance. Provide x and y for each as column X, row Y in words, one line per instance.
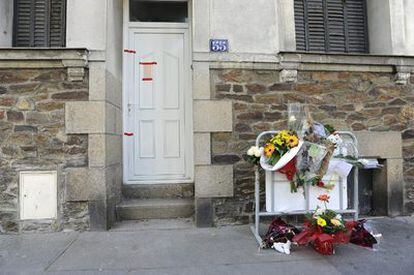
column 182, row 249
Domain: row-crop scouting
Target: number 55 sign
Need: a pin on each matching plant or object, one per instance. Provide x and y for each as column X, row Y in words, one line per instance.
column 219, row 45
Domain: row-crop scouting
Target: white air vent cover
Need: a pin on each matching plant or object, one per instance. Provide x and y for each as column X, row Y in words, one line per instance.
column 38, row 195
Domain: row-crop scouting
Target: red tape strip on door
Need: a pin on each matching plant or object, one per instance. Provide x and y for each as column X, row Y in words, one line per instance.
column 130, row 51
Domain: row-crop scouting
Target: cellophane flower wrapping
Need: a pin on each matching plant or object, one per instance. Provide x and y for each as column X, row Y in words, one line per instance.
column 279, row 232
column 324, row 229
column 365, row 234
column 297, row 117
column 310, row 157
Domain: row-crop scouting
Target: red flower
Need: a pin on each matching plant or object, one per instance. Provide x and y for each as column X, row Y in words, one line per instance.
column 320, row 184
column 324, row 198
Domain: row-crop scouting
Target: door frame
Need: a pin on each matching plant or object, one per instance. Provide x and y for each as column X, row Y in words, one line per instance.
column 147, row 27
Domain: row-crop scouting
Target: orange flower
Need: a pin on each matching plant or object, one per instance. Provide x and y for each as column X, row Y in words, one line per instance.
column 269, row 149
column 293, row 141
column 324, row 198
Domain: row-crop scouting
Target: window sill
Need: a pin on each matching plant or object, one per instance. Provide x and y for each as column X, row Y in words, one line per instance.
column 43, row 54
column 346, row 59
column 292, row 62
column 75, row 60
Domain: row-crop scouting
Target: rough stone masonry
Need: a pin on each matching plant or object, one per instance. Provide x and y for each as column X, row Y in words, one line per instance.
column 348, row 100
column 32, row 137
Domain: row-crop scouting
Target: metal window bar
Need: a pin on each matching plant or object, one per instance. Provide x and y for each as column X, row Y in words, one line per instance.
column 257, row 213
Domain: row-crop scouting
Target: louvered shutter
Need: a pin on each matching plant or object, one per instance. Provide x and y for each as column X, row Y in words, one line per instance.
column 331, row 25
column 316, row 26
column 39, row 23
column 356, row 14
column 336, row 26
column 57, row 23
column 22, row 23
column 300, row 25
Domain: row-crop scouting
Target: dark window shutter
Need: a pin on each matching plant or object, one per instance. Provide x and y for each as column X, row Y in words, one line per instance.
column 356, row 14
column 331, row 25
column 316, row 25
column 300, row 25
column 22, row 23
column 39, row 23
column 336, row 26
column 57, row 23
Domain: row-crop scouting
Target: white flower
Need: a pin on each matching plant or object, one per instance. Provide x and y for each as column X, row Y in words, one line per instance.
column 335, row 139
column 318, row 212
column 292, row 119
column 250, row 151
column 255, row 151
column 259, row 152
column 338, row 217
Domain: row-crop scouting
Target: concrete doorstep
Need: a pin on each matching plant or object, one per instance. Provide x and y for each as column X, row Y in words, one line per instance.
column 180, row 248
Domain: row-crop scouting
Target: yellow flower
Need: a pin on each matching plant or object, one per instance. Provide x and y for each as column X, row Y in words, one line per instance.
column 276, row 140
column 336, row 222
column 269, row 149
column 293, row 141
column 321, row 222
column 285, row 135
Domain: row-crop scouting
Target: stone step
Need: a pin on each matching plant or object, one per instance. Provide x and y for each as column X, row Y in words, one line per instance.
column 138, row 209
column 153, row 224
column 152, row 191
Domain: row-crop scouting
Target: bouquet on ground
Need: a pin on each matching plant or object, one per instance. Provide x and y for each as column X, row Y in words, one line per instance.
column 324, row 229
column 365, row 235
column 279, row 236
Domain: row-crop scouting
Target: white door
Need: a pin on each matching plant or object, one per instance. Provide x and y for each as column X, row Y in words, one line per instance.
column 156, row 120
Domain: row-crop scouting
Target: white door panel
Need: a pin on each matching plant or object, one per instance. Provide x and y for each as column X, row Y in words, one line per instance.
column 156, row 87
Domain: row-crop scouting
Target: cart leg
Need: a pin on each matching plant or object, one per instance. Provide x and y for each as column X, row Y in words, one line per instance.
column 255, row 226
column 257, row 201
column 356, row 194
column 256, row 236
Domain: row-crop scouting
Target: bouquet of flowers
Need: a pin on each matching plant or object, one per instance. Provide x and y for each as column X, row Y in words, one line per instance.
column 365, row 235
column 279, row 153
column 279, row 145
column 323, row 229
column 279, row 236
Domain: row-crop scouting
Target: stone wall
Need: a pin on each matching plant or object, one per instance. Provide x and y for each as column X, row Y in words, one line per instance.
column 33, row 137
column 349, row 100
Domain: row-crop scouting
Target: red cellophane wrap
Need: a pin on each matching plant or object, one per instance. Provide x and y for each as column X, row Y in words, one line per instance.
column 323, row 242
column 289, row 169
column 279, row 231
column 360, row 236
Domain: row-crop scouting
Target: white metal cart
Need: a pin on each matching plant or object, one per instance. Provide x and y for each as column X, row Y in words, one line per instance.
column 342, row 210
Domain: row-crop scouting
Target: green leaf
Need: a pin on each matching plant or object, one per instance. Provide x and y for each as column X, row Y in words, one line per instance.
column 329, row 128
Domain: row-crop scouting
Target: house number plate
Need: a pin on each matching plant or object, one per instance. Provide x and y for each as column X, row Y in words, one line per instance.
column 219, row 45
